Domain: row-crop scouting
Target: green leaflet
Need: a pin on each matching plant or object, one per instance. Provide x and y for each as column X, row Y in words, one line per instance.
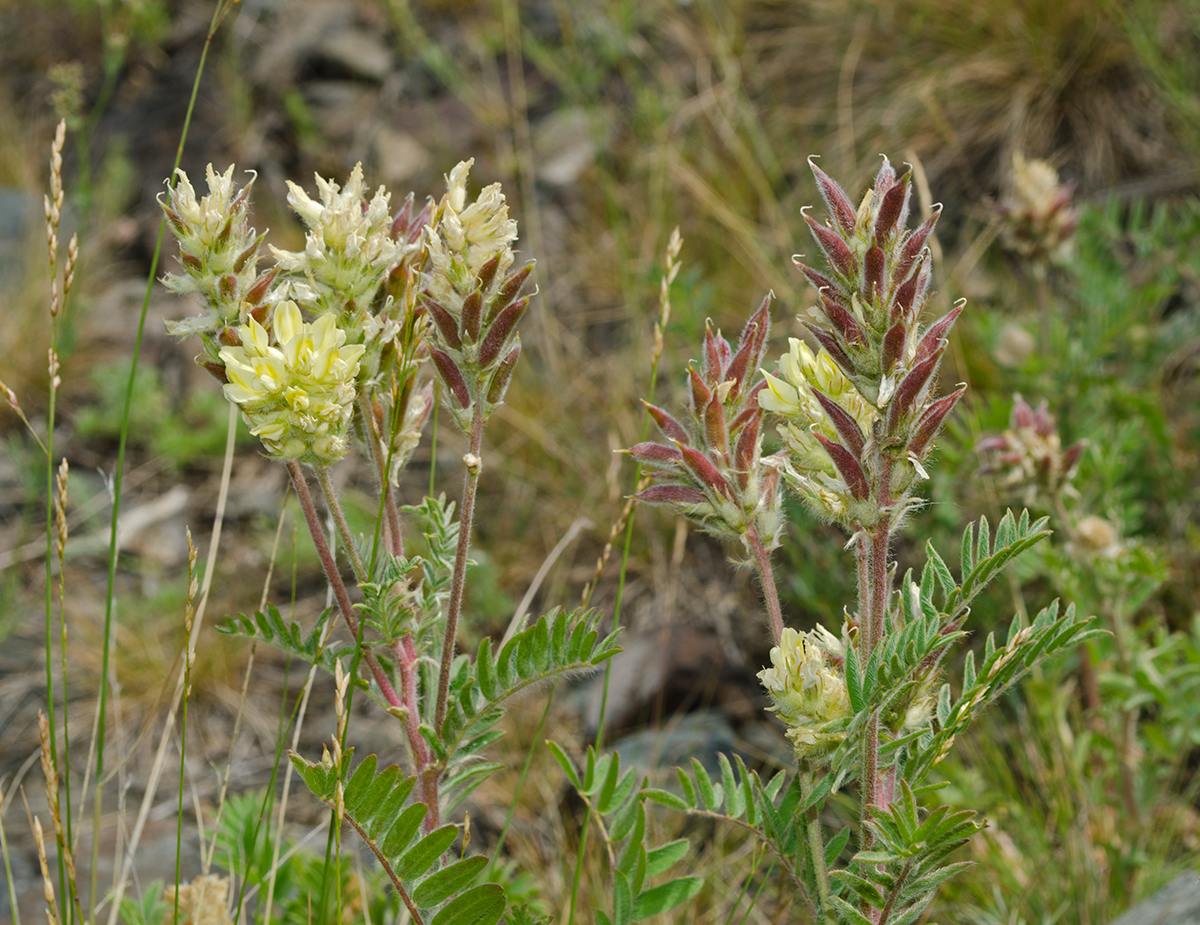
column 373, row 804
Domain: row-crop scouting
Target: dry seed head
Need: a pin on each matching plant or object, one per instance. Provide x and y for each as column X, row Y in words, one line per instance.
column 47, row 884
column 204, row 901
column 72, row 258
column 60, row 507
column 341, row 682
column 48, row 769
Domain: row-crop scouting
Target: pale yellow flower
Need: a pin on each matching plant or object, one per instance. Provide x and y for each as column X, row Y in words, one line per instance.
column 217, row 250
column 465, row 237
column 295, row 386
column 205, row 218
column 790, row 395
column 348, row 249
column 805, row 690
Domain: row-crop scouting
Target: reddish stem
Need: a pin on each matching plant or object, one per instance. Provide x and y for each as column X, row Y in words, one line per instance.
column 766, row 575
column 427, row 772
column 335, row 580
column 458, row 580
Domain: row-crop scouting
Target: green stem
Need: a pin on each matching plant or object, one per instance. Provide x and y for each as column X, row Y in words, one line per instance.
column 219, row 14
column 512, row 808
column 816, row 848
column 458, row 581
column 339, row 518
column 395, row 539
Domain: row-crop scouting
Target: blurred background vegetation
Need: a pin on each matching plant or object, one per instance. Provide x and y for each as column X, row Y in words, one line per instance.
column 609, row 123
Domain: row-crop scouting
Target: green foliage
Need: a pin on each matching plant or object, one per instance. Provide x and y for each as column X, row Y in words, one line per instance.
column 559, row 643
column 149, row 909
column 999, row 669
column 289, row 636
column 618, row 806
column 433, row 889
column 181, row 436
column 902, row 870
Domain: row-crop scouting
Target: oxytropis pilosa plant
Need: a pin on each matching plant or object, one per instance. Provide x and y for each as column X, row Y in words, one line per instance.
column 323, row 351
column 858, row 412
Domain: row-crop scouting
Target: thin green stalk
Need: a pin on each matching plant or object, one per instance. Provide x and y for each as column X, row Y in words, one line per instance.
column 433, row 435
column 222, row 9
column 816, row 849
column 762, row 886
column 8, row 875
column 458, row 580
column 339, row 518
column 512, row 807
column 664, row 314
column 387, row 500
column 755, row 860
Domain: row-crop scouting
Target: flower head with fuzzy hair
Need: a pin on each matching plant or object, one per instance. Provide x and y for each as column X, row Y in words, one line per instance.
column 465, row 237
column 806, row 690
column 296, row 385
column 348, row 249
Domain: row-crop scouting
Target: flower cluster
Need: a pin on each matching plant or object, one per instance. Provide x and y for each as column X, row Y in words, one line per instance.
column 807, row 689
column 1029, row 455
column 349, row 247
column 876, row 420
column 1038, row 217
column 297, row 380
column 218, row 252
column 295, row 386
column 713, row 471
column 472, row 299
column 805, row 384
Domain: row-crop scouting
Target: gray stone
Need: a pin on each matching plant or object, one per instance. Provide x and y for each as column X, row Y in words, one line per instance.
column 400, row 158
column 700, row 735
column 565, row 144
column 357, row 52
column 1178, row 903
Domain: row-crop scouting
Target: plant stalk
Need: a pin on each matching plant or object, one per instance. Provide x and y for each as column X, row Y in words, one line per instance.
column 816, row 848
column 458, row 581
column 766, row 575
column 335, row 580
column 339, row 518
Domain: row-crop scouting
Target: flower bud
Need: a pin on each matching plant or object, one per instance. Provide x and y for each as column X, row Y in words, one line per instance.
column 807, row 692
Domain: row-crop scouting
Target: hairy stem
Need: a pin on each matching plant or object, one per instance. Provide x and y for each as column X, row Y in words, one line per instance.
column 458, row 581
column 339, row 518
column 395, row 538
column 766, row 575
column 335, row 580
column 427, row 772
